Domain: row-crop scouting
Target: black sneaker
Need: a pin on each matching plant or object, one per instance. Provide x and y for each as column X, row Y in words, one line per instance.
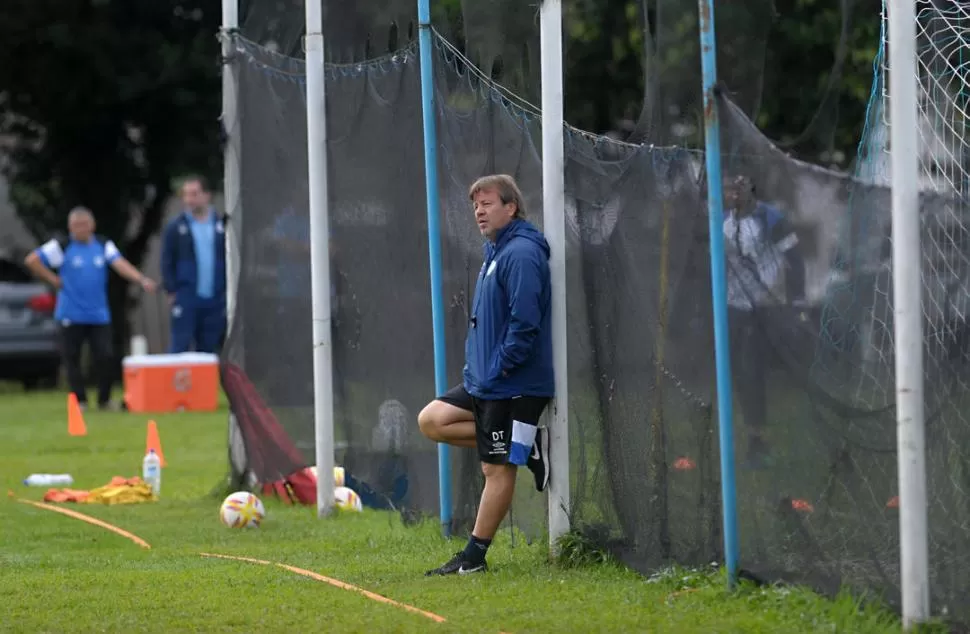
column 538, row 462
column 457, row 565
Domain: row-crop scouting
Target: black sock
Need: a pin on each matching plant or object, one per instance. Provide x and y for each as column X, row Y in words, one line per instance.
column 475, row 550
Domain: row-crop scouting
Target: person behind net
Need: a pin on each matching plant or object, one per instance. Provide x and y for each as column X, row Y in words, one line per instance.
column 294, row 310
column 194, row 271
column 508, row 374
column 82, row 309
column 760, row 247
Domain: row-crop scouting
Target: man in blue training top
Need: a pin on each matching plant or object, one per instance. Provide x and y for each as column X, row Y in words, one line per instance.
column 194, row 271
column 762, row 251
column 294, row 308
column 82, row 310
column 508, row 374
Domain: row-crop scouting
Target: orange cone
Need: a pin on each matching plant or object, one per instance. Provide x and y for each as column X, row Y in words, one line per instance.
column 75, row 421
column 152, row 442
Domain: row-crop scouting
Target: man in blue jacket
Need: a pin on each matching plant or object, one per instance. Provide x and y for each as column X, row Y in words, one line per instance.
column 194, row 271
column 508, row 374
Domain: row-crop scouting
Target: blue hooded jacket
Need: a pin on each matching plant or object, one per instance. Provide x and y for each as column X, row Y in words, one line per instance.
column 179, row 264
column 508, row 350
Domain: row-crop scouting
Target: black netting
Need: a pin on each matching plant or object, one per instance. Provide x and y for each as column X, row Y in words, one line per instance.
column 825, row 512
column 644, row 460
column 637, row 263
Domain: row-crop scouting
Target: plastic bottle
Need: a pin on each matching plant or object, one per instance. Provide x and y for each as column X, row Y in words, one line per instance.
column 151, row 471
column 48, row 480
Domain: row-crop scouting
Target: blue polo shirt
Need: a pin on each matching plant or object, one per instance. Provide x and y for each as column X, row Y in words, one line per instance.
column 83, row 268
column 204, row 240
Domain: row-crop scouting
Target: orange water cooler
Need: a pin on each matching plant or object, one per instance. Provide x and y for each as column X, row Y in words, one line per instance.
column 171, row 382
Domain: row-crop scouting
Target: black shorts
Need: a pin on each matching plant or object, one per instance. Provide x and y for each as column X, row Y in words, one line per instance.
column 505, row 429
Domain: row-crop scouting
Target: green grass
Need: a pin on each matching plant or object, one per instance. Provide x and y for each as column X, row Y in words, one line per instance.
column 61, row 575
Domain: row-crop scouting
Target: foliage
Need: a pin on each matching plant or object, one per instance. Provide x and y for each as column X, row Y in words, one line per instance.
column 635, row 65
column 819, row 93
column 104, row 103
column 107, row 101
column 578, row 549
column 802, row 69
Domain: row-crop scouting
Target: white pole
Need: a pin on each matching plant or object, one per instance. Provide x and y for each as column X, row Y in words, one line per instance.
column 316, row 115
column 907, row 311
column 230, row 123
column 230, row 190
column 554, row 226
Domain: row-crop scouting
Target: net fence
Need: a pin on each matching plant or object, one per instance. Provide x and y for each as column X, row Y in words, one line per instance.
column 815, row 426
column 857, row 324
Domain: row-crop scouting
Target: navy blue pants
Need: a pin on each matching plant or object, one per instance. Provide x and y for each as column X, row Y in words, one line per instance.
column 199, row 321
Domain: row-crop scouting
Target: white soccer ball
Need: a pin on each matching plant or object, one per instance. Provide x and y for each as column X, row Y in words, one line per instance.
column 338, row 475
column 242, row 509
column 347, row 499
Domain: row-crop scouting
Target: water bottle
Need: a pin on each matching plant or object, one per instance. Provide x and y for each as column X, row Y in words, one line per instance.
column 48, row 480
column 151, row 471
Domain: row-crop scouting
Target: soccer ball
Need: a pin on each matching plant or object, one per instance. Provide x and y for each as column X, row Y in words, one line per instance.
column 242, row 509
column 338, row 475
column 347, row 499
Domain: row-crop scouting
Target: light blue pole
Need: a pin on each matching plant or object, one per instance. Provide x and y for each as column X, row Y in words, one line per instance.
column 722, row 350
column 434, row 248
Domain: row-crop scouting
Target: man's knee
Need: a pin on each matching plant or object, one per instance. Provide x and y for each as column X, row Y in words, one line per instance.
column 490, row 470
column 437, row 415
column 429, row 420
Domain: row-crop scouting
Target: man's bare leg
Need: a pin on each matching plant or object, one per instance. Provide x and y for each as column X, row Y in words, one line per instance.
column 494, row 505
column 443, row 422
column 496, row 499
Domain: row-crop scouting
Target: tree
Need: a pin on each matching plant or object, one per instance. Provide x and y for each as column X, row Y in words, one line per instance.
column 105, row 103
column 802, row 69
column 108, row 101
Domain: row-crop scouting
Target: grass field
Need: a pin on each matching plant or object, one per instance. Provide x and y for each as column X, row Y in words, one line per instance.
column 64, row 575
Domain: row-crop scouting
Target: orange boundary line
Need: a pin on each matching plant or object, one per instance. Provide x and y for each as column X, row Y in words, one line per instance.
column 679, row 593
column 334, row 582
column 90, row 520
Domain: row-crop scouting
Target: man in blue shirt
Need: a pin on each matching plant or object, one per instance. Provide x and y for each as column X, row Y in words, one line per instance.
column 82, row 299
column 291, row 233
column 508, row 375
column 294, row 308
column 194, row 271
column 291, row 237
column 766, row 270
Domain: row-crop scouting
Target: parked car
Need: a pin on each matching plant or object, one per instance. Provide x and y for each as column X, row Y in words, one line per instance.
column 29, row 351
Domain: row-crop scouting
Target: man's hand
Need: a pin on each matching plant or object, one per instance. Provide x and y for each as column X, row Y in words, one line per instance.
column 148, row 285
column 36, row 266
